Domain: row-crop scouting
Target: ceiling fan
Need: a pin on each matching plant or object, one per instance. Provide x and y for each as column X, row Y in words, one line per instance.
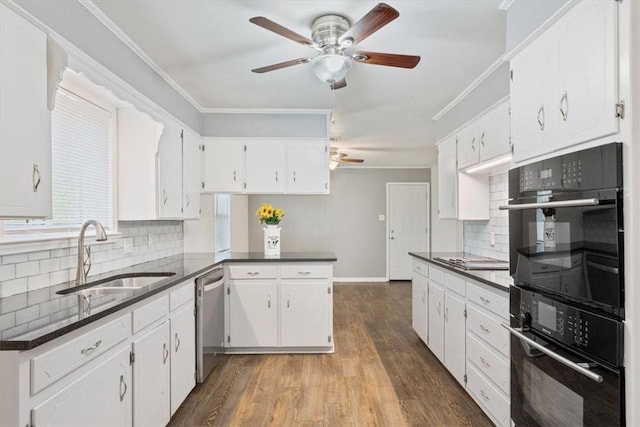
column 332, row 35
column 336, row 158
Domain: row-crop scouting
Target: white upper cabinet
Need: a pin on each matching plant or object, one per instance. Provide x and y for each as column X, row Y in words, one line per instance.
column 169, row 163
column 447, row 179
column 308, row 167
column 25, row 121
column 485, row 137
column 564, row 87
column 223, row 168
column 264, row 167
column 192, row 179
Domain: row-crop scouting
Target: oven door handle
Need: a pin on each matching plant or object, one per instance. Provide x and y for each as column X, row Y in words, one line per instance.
column 555, row 204
column 584, row 371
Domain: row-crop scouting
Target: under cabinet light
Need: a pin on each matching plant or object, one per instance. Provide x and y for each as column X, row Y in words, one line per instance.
column 503, row 160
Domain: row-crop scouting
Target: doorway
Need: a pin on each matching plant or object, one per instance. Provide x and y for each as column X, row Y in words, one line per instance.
column 407, row 225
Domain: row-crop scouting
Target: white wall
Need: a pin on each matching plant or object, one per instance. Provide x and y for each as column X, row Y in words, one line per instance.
column 281, row 125
column 240, row 223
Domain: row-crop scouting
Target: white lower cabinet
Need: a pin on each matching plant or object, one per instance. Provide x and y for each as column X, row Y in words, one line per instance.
column 151, row 380
column 183, row 355
column 436, row 319
column 419, row 306
column 304, row 317
column 101, row 397
column 454, row 335
column 279, row 307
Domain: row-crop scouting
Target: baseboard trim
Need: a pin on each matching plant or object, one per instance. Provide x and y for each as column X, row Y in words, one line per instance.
column 359, row 279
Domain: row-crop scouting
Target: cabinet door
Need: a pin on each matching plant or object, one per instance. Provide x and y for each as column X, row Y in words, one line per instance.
column 308, row 167
column 264, row 171
column 25, row 121
column 192, row 160
column 151, row 403
column 170, row 171
column 586, row 90
column 183, row 355
column 305, row 314
column 468, row 146
column 447, row 179
column 101, row 397
column 454, row 336
column 531, row 116
column 436, row 319
column 494, row 133
column 419, row 306
column 223, row 166
column 253, row 314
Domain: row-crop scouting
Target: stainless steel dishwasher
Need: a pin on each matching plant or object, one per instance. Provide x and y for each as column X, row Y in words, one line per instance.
column 209, row 322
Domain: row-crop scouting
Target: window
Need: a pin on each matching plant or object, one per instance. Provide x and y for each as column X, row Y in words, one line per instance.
column 222, row 222
column 82, row 185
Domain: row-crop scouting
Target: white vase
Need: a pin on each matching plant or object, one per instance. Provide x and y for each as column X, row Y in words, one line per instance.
column 271, row 241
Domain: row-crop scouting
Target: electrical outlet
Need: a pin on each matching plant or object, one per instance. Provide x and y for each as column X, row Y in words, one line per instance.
column 492, row 238
column 150, row 240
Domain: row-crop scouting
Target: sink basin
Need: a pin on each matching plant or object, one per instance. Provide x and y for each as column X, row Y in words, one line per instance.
column 119, row 283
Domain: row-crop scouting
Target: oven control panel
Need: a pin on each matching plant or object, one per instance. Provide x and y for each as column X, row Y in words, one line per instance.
column 576, row 328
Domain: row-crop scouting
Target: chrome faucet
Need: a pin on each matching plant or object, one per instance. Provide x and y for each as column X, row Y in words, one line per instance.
column 101, row 236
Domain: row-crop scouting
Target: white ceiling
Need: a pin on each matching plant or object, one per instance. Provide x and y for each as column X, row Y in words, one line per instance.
column 208, row 47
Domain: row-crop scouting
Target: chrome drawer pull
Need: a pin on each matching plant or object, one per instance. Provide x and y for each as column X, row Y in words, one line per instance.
column 177, row 342
column 252, row 273
column 484, row 329
column 87, row 351
column 484, row 362
column 35, row 177
column 484, row 395
column 304, row 273
column 517, row 332
column 484, row 300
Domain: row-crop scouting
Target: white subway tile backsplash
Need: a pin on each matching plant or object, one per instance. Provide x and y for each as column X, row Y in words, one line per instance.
column 34, row 256
column 14, row 259
column 12, row 287
column 7, row 272
column 38, row 282
column 49, row 265
column 28, row 314
column 29, row 268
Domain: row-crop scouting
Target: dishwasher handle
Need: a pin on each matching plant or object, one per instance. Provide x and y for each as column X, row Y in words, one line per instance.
column 212, row 278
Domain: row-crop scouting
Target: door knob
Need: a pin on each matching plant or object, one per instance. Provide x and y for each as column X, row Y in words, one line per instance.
column 392, row 238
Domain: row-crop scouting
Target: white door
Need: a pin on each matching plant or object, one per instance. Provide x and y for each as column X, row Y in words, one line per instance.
column 304, row 314
column 468, row 145
column 454, row 336
column 183, row 355
column 408, row 226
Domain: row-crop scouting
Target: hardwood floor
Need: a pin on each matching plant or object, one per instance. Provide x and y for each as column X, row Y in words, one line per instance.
column 380, row 374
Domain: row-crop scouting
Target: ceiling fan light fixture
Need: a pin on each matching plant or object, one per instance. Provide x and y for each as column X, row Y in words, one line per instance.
column 331, row 67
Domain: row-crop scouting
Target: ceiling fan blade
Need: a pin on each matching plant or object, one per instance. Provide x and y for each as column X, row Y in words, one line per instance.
column 388, row 59
column 345, row 160
column 268, row 24
column 339, row 84
column 280, row 65
column 377, row 18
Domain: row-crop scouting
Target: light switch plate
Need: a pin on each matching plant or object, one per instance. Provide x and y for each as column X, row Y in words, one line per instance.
column 381, row 217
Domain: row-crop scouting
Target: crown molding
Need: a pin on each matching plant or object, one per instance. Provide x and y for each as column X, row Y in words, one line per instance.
column 117, row 31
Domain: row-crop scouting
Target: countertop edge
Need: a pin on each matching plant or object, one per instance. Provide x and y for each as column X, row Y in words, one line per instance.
column 467, row 273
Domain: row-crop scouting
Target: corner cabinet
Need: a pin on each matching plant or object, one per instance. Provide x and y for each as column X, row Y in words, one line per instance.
column 169, row 171
column 564, row 85
column 279, row 307
column 266, row 166
column 447, row 179
column 25, row 121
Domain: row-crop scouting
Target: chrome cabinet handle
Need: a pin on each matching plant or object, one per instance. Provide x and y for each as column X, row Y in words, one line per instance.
column 294, row 176
column 482, row 139
column 439, row 310
column 304, row 273
column 87, row 351
column 123, row 388
column 177, row 342
column 541, row 117
column 253, row 273
column 423, row 297
column 564, row 106
column 164, row 197
column 446, row 314
column 484, row 300
column 517, row 332
column 557, row 204
column 288, row 302
column 473, row 144
column 35, row 177
column 484, row 395
column 484, row 329
column 276, row 176
column 188, row 201
column 392, row 238
column 234, row 176
column 269, row 302
column 165, row 353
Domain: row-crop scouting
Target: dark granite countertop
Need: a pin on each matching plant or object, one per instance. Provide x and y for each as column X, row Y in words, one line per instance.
column 58, row 314
column 499, row 279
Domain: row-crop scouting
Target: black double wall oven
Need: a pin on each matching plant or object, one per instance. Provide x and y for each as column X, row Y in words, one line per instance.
column 567, row 302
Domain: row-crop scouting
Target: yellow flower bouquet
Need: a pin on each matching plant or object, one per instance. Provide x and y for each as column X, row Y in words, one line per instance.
column 269, row 215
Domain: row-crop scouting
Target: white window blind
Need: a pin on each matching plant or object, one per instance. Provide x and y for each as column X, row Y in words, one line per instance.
column 81, row 134
column 222, row 225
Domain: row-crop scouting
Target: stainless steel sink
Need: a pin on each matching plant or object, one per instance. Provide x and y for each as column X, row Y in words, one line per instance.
column 119, row 283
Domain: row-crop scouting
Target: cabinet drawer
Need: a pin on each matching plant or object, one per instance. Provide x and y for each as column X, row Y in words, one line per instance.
column 305, row 271
column 489, row 363
column 488, row 397
column 488, row 329
column 147, row 314
column 181, row 296
column 455, row 284
column 491, row 300
column 436, row 274
column 49, row 367
column 421, row 268
column 252, row 271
